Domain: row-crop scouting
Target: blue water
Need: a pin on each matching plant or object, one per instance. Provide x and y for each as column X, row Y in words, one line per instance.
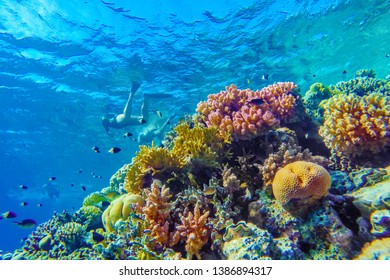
column 64, row 64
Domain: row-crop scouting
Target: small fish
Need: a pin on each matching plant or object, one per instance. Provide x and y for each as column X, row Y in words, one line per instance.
column 105, row 204
column 387, row 55
column 27, row 223
column 210, row 191
column 100, row 176
column 265, row 77
column 80, row 171
column 158, row 113
column 39, row 204
column 84, row 188
column 23, row 187
column 147, row 230
column 8, row 215
column 128, row 134
column 114, row 150
column 72, row 185
column 248, row 81
column 243, row 185
column 23, row 204
column 256, row 102
column 307, row 135
column 92, row 173
column 96, row 149
column 111, row 194
column 97, row 237
column 142, row 121
column 345, row 72
column 314, row 75
column 52, row 178
column 247, row 195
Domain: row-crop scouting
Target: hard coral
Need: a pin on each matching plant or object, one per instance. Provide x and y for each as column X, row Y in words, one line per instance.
column 354, row 125
column 198, row 144
column 245, row 113
column 157, row 211
column 120, row 209
column 155, row 161
column 194, row 230
column 300, row 184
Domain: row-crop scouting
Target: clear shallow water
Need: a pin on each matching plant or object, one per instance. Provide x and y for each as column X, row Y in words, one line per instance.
column 66, row 63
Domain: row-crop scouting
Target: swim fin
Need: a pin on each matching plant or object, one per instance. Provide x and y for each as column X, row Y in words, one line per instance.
column 135, row 87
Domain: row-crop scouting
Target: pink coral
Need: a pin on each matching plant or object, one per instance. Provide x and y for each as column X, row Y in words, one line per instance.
column 237, row 112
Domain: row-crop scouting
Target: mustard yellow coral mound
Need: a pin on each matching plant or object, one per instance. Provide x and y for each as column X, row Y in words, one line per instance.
column 354, row 125
column 301, row 182
column 198, row 143
column 120, row 209
column 153, row 160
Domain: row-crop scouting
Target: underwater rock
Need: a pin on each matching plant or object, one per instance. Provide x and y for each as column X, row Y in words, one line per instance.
column 341, row 183
column 380, row 221
column 368, row 176
column 370, row 199
column 245, row 241
column 286, row 249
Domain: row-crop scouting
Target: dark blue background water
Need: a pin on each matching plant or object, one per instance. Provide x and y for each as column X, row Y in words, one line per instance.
column 63, row 64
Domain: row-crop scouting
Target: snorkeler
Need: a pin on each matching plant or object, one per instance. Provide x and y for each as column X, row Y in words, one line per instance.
column 126, row 119
column 154, row 133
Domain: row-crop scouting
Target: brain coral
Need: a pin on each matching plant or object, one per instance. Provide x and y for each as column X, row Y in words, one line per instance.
column 247, row 113
column 354, row 125
column 300, row 184
column 120, row 209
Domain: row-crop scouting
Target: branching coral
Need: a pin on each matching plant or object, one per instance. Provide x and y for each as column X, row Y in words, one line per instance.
column 150, row 160
column 194, row 230
column 245, row 113
column 354, row 125
column 198, row 144
column 157, row 211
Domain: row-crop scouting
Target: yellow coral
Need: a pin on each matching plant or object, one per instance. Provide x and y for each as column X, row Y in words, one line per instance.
column 301, row 181
column 157, row 211
column 194, row 229
column 120, row 209
column 354, row 125
column 198, row 143
column 155, row 160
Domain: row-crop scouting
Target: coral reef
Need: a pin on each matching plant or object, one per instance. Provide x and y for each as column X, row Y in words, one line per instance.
column 236, row 181
column 300, row 184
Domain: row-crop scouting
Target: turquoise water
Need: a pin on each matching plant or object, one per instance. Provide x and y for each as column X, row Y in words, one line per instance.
column 64, row 64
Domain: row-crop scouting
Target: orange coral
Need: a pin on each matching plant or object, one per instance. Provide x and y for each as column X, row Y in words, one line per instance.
column 157, row 211
column 301, row 182
column 195, row 231
column 354, row 124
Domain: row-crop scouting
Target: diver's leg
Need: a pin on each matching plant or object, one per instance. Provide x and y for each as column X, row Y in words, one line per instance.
column 128, row 107
column 145, row 109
